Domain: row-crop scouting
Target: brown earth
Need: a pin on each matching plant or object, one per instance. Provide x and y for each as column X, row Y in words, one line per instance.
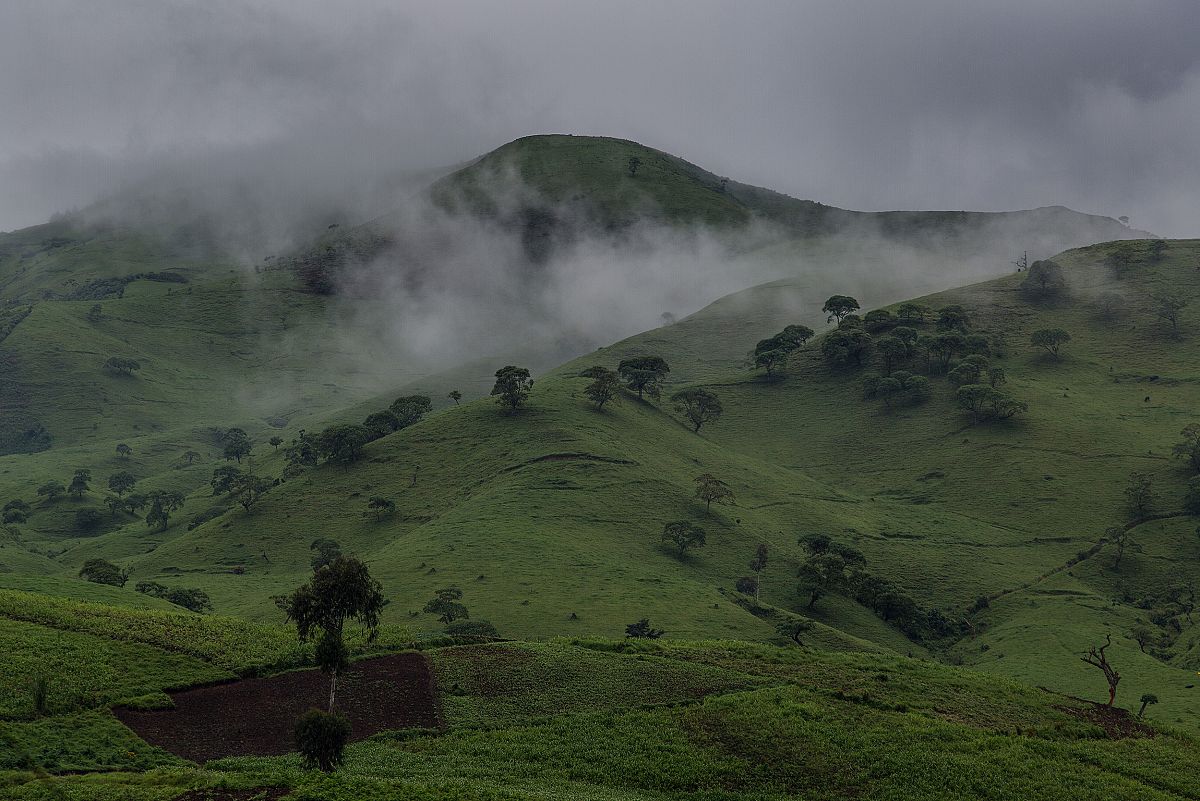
column 256, row 716
column 257, row 794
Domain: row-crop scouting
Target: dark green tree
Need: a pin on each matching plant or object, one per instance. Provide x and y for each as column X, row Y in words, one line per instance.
column 101, row 571
column 642, row 630
column 339, row 591
column 80, row 482
column 121, row 483
column 1139, row 494
column 1147, row 699
column 321, row 739
column 123, row 450
column 325, row 551
column 51, row 490
column 275, row 441
column 512, row 387
column 644, row 374
column 1167, row 307
column 236, row 444
column 447, row 605
column 1044, row 280
column 162, row 504
column 409, row 409
column 634, row 164
column 1187, row 448
column 122, row 365
column 382, row 507
column 711, row 489
column 604, row 387
column 455, row 396
column 846, row 346
column 953, row 318
column 698, row 405
column 1051, row 339
column 342, row 444
column 683, row 535
column 838, row 306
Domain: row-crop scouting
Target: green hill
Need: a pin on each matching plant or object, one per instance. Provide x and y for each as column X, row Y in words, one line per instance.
column 979, row 553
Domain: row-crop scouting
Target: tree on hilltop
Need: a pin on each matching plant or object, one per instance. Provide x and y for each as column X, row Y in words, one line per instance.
column 512, row 387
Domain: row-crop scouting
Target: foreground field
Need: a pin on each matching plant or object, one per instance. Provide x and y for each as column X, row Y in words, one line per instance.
column 719, row 721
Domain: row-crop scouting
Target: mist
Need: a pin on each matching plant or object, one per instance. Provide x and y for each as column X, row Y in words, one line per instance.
column 862, row 104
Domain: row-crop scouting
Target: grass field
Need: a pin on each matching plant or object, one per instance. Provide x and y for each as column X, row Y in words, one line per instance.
column 549, row 521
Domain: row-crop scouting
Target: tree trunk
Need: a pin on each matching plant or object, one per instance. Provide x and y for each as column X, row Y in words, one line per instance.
column 1112, row 694
column 332, row 689
column 1142, row 711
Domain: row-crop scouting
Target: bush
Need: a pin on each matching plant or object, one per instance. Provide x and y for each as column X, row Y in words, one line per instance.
column 321, row 739
column 472, row 628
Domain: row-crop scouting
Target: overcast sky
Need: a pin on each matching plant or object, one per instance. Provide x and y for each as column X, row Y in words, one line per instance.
column 869, row 105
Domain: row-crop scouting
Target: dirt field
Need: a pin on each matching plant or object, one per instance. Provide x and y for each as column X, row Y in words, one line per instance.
column 255, row 716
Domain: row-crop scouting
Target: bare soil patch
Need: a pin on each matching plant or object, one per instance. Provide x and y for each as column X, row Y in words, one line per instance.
column 1117, row 723
column 256, row 716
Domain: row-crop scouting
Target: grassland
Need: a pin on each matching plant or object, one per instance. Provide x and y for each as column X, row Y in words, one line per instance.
column 549, row 520
column 798, row 723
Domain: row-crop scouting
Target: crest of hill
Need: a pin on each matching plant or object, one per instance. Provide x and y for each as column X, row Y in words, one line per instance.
column 551, row 190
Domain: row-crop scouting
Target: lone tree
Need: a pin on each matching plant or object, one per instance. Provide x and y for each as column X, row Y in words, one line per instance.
column 237, row 444
column 711, row 489
column 121, row 483
column 1122, row 538
column 1052, row 339
column 325, row 551
column 1147, row 699
column 642, row 630
column 1188, row 448
column 838, row 306
column 1044, row 280
column 123, row 450
column 382, row 507
column 758, row 564
column 604, row 386
column 101, row 571
column 80, row 482
column 122, row 365
column 1167, row 308
column 1140, row 494
column 447, row 605
column 455, row 396
column 339, row 591
column 683, row 535
column 1096, row 658
column 512, row 387
column 190, row 456
column 275, row 442
column 698, row 405
column 321, row 739
column 644, row 374
column 634, row 163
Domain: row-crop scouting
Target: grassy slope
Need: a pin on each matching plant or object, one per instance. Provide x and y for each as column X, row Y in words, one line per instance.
column 785, row 723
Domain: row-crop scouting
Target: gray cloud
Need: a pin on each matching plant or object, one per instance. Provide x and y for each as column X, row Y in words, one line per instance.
column 927, row 104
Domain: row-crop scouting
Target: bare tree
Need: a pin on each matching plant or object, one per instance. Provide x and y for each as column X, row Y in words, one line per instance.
column 1096, row 658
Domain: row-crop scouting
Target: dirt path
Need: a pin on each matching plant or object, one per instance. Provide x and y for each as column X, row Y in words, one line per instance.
column 256, row 716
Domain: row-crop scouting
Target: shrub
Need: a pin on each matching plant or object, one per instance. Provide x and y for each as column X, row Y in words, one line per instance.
column 321, row 739
column 471, row 628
